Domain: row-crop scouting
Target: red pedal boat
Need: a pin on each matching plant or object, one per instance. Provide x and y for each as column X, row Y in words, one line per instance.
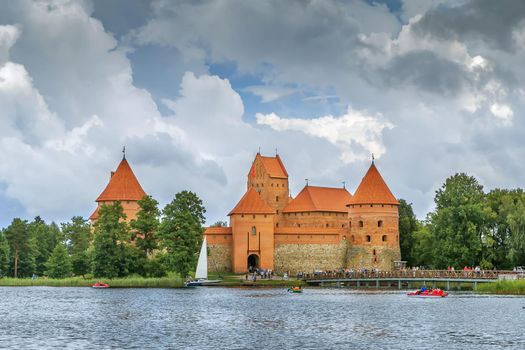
column 100, row 285
column 428, row 293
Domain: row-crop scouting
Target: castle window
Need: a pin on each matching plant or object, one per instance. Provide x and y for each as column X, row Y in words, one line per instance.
column 382, row 205
column 277, row 198
column 272, row 184
column 371, row 205
column 298, row 237
column 242, row 215
column 353, row 238
column 361, row 223
column 262, row 185
column 276, row 224
column 264, row 215
column 253, row 216
column 127, row 202
column 375, row 259
column 225, row 237
column 383, row 238
column 349, row 223
column 343, row 225
column 380, row 223
column 374, row 252
column 302, row 213
column 326, row 225
column 277, row 211
column 298, row 225
column 257, row 185
column 254, row 231
column 368, row 238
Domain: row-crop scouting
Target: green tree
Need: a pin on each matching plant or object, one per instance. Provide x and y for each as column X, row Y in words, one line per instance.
column 59, row 263
column 4, row 255
column 111, row 234
column 146, row 224
column 18, row 237
column 44, row 238
column 78, row 236
column 181, row 231
column 408, row 224
column 459, row 223
column 219, row 224
column 421, row 253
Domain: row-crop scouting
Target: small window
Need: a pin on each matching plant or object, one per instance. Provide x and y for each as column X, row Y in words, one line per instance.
column 349, row 223
column 272, row 184
column 265, row 216
column 253, row 216
column 254, row 231
column 298, row 237
column 277, row 198
column 343, row 225
column 380, row 223
column 242, row 215
column 277, row 211
column 361, row 224
column 375, row 259
column 298, row 225
column 383, row 238
column 368, row 238
column 374, row 252
column 371, row 205
column 276, row 224
column 353, row 238
column 326, row 225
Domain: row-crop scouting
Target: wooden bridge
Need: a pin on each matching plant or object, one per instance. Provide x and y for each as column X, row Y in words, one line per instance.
column 408, row 278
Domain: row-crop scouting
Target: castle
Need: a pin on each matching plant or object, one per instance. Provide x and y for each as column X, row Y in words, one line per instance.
column 322, row 228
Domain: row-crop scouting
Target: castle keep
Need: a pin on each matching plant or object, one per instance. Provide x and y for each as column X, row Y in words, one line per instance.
column 322, row 228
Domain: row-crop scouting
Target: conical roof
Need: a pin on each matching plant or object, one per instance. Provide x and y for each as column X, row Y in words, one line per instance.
column 123, row 185
column 314, row 198
column 252, row 203
column 373, row 190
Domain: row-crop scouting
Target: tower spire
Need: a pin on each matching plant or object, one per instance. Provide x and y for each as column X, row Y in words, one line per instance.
column 123, row 152
column 373, row 158
column 306, row 182
column 344, row 184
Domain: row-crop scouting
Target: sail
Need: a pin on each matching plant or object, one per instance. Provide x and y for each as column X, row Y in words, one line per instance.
column 202, row 264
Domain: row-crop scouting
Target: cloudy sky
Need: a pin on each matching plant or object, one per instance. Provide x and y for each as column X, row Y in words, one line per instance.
column 194, row 88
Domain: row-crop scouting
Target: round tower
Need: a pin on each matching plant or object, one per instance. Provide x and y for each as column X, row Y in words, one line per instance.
column 374, row 224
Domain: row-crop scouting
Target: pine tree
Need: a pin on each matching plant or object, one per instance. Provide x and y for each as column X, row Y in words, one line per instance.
column 44, row 238
column 59, row 263
column 78, row 237
column 18, row 237
column 4, row 255
column 181, row 231
column 111, row 233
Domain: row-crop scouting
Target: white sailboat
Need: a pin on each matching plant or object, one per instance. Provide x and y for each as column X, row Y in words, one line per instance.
column 201, row 273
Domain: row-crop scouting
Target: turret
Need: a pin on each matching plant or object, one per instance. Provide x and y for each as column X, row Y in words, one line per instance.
column 373, row 220
column 123, row 186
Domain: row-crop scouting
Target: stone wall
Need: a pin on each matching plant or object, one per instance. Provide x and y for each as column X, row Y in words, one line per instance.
column 309, row 257
column 219, row 258
column 359, row 257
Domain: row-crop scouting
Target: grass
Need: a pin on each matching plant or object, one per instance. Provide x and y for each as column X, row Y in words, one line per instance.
column 507, row 287
column 128, row 282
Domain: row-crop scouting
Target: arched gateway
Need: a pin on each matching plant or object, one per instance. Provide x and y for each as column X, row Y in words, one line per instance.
column 253, row 262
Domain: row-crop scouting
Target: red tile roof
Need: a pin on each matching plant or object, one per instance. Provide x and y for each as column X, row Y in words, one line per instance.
column 314, row 198
column 123, row 185
column 274, row 166
column 373, row 190
column 252, row 203
column 94, row 216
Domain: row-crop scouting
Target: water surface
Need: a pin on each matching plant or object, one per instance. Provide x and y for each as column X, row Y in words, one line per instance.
column 232, row 318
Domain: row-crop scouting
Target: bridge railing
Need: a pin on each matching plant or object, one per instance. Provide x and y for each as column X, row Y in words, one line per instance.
column 446, row 274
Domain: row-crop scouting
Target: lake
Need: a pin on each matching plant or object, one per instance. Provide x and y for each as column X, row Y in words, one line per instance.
column 235, row 318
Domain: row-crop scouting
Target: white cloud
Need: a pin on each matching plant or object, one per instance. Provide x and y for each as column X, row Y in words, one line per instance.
column 502, row 111
column 356, row 134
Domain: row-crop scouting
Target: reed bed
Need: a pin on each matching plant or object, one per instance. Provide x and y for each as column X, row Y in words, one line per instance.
column 128, row 282
column 506, row 287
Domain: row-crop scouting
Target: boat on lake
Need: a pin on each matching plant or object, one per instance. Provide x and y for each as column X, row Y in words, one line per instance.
column 201, row 273
column 100, row 285
column 428, row 293
column 295, row 290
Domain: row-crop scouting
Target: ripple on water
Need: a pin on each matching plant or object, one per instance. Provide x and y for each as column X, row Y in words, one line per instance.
column 229, row 318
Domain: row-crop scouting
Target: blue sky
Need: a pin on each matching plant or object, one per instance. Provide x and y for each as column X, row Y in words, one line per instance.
column 193, row 89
